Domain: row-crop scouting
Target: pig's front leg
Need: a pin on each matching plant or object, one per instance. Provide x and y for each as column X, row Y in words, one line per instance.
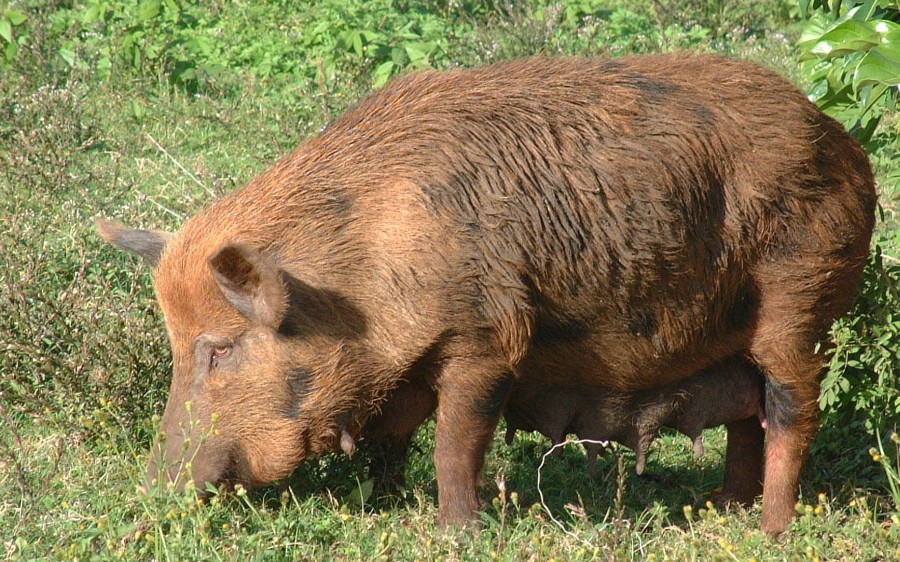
column 472, row 392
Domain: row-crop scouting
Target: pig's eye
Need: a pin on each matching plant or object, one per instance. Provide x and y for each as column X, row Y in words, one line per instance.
column 218, row 354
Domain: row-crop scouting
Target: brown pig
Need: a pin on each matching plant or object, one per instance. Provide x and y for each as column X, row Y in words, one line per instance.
column 459, row 236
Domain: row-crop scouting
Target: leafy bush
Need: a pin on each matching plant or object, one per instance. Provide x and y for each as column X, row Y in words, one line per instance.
column 850, row 53
column 333, row 41
column 10, row 20
column 852, row 58
column 594, row 27
column 863, row 379
column 54, row 322
column 193, row 44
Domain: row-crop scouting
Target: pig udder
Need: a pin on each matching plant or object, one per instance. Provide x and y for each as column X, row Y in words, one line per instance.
column 719, row 395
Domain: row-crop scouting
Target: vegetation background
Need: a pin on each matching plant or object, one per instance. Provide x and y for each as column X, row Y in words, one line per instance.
column 143, row 111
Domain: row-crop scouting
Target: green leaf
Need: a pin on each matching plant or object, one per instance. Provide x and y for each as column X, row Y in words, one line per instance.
column 867, row 123
column 399, row 56
column 862, row 12
column 890, row 42
column 848, row 37
column 870, row 96
column 818, row 91
column 16, row 387
column 814, row 29
column 418, row 52
column 370, row 36
column 837, row 99
column 149, row 9
column 68, row 55
column 11, row 51
column 351, row 40
column 137, row 109
column 876, row 68
column 199, row 45
column 92, row 14
column 361, row 494
column 104, row 65
column 887, row 28
column 6, row 29
column 816, row 69
column 15, row 17
column 489, row 519
column 383, row 73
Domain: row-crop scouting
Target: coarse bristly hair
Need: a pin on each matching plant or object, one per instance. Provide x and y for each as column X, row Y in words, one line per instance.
column 460, row 237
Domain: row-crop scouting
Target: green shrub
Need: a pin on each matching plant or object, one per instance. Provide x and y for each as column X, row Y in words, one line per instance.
column 198, row 45
column 862, row 383
column 11, row 21
column 591, row 27
column 850, row 51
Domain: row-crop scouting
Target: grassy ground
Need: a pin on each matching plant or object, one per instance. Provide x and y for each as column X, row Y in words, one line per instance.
column 85, row 363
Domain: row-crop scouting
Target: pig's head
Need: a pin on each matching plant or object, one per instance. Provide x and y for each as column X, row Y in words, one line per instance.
column 257, row 382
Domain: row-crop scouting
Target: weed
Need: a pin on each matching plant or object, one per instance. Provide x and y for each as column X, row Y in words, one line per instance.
column 890, row 462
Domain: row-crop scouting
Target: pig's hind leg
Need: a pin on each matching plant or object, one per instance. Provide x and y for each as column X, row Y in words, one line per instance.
column 798, row 303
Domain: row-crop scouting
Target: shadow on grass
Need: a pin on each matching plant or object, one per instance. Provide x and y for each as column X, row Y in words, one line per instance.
column 672, row 479
column 839, row 466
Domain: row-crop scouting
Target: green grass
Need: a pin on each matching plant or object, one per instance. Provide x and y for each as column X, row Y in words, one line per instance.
column 89, row 509
column 87, row 132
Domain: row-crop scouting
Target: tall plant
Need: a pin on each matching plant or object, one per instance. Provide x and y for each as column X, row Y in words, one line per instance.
column 850, row 51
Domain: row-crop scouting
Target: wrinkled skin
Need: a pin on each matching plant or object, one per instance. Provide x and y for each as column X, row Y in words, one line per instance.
column 462, row 240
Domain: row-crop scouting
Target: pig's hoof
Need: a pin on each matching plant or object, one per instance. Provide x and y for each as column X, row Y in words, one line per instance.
column 461, row 518
column 451, row 525
column 723, row 497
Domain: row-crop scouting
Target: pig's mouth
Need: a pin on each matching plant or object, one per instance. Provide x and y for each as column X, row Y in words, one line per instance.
column 229, row 480
column 202, row 466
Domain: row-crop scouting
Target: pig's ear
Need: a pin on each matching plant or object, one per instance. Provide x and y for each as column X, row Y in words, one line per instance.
column 250, row 283
column 148, row 244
